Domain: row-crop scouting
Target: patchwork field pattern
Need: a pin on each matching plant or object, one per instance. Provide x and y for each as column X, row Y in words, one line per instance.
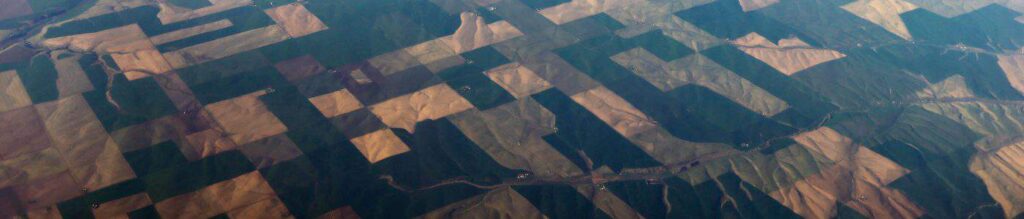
column 511, row 108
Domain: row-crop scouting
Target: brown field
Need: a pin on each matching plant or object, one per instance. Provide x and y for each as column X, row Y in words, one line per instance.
column 1000, row 170
column 753, row 5
column 230, row 196
column 785, row 57
column 296, row 20
column 336, row 103
column 226, row 46
column 858, row 179
column 171, row 14
column 245, row 119
column 885, row 13
column 1013, row 66
column 14, row 8
column 512, row 135
column 380, row 145
column 121, row 207
column 93, row 157
column 23, row 132
column 518, row 80
column 504, row 202
column 434, row 102
column 615, row 111
column 12, row 92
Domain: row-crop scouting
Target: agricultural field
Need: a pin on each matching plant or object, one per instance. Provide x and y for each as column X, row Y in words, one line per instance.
column 511, row 109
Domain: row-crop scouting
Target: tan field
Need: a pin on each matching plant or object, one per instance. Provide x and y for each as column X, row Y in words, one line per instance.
column 31, row 167
column 150, row 61
column 172, row 14
column 1000, row 170
column 93, row 157
column 293, row 20
column 1013, row 67
column 767, row 173
column 46, row 212
column 828, row 142
column 149, row 133
column 128, row 46
column 606, row 200
column 989, row 119
column 430, row 51
column 698, row 69
column 121, row 207
column 24, row 133
column 643, row 16
column 230, row 196
column 474, row 33
column 336, row 103
column 296, row 20
column 576, row 9
column 512, row 135
column 753, row 5
column 883, row 202
column 14, row 8
column 651, row 68
column 503, row 202
column 128, row 38
column 178, row 92
column 668, row 149
column 48, row 191
column 562, row 75
column 615, row 111
column 518, row 80
column 245, row 119
column 380, row 145
column 394, row 62
column 785, row 57
column 858, row 179
column 641, row 21
column 15, row 52
column 360, row 77
column 271, row 207
column 226, row 46
column 106, row 168
column 885, row 13
column 814, row 196
column 953, row 8
column 344, row 212
column 71, row 79
column 103, row 7
column 432, row 103
column 206, row 143
column 12, row 93
column 269, row 151
column 436, row 66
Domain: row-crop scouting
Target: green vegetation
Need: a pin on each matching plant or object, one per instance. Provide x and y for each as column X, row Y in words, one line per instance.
column 190, row 4
column 137, row 101
column 40, row 79
column 167, row 183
